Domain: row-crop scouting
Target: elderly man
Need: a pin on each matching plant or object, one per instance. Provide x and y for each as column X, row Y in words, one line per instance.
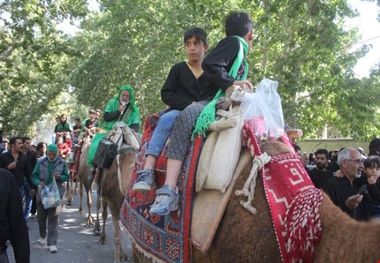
column 47, row 168
column 342, row 190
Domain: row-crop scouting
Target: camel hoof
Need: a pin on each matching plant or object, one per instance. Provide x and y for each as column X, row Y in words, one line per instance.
column 124, row 257
column 102, row 240
column 80, row 210
column 89, row 224
column 97, row 230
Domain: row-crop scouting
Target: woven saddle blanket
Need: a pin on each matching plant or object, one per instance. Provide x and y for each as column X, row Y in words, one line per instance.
column 293, row 203
column 163, row 238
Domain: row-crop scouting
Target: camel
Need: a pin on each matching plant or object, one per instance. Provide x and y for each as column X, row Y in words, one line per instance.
column 85, row 180
column 246, row 237
column 114, row 185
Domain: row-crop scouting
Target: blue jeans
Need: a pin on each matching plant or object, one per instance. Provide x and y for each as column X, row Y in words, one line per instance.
column 161, row 132
column 26, row 198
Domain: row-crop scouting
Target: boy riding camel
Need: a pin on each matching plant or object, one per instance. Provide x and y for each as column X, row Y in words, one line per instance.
column 182, row 87
column 224, row 68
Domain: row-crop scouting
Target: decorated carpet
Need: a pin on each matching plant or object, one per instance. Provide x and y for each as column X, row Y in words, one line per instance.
column 164, row 238
column 293, row 203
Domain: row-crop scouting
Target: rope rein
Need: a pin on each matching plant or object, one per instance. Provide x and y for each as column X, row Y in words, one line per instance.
column 249, row 186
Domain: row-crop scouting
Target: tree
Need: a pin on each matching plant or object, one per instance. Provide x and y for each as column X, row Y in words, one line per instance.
column 33, row 58
column 301, row 44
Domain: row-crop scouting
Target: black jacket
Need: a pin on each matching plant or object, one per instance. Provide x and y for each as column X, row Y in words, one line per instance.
column 22, row 171
column 12, row 223
column 218, row 63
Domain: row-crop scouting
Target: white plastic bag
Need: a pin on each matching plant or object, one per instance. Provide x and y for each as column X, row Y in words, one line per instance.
column 263, row 107
column 50, row 196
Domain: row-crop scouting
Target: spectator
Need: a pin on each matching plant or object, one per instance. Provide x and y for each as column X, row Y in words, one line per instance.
column 319, row 175
column 311, row 159
column 12, row 224
column 333, row 165
column 41, row 152
column 41, row 149
column 305, row 161
column 16, row 162
column 342, row 190
column 4, row 146
column 361, row 150
column 29, row 189
column 374, row 147
column 370, row 207
column 44, row 171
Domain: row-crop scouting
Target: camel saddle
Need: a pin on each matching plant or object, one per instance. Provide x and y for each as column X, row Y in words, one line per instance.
column 161, row 238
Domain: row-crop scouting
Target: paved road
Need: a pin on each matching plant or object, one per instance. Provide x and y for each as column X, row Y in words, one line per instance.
column 76, row 243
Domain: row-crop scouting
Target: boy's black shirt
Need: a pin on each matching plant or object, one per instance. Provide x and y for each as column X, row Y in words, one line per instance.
column 218, row 63
column 181, row 87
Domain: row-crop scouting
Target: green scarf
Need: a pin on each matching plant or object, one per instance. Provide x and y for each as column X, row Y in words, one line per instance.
column 132, row 116
column 207, row 115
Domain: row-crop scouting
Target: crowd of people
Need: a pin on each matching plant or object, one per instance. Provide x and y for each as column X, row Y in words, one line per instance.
column 349, row 177
column 25, row 169
column 190, row 92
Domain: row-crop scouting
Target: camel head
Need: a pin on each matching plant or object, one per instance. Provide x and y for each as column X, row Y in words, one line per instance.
column 126, row 157
column 130, row 138
column 274, row 147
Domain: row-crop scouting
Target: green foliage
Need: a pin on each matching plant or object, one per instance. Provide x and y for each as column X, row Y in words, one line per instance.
column 302, row 44
column 34, row 56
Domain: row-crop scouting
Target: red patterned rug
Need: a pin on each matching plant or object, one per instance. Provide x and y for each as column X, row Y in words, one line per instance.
column 165, row 238
column 293, row 203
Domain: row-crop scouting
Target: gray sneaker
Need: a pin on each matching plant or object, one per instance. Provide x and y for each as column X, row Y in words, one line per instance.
column 145, row 181
column 166, row 201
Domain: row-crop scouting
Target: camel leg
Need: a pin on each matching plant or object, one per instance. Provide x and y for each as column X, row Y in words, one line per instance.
column 80, row 196
column 116, row 236
column 103, row 236
column 69, row 192
column 76, row 187
column 89, row 222
column 98, row 205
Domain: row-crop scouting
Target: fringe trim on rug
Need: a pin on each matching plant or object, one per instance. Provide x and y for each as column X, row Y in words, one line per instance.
column 147, row 254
